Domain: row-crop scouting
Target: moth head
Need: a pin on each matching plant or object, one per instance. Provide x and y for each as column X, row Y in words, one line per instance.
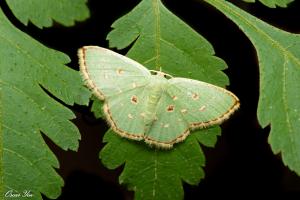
column 161, row 74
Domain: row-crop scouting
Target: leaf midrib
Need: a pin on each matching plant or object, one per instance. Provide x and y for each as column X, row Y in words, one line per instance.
column 155, row 174
column 155, row 6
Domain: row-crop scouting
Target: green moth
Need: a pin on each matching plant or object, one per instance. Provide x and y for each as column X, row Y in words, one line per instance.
column 142, row 104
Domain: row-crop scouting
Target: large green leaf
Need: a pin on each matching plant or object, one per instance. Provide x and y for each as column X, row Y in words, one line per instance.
column 25, row 109
column 161, row 40
column 42, row 12
column 273, row 3
column 279, row 102
column 156, row 174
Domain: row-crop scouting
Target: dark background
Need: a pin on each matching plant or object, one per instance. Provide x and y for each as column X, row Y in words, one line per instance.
column 242, row 162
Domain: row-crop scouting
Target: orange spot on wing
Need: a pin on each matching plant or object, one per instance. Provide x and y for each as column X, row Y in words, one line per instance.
column 170, row 108
column 120, row 71
column 195, row 96
column 134, row 99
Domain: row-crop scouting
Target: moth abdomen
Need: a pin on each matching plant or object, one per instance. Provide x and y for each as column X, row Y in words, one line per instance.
column 155, row 92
